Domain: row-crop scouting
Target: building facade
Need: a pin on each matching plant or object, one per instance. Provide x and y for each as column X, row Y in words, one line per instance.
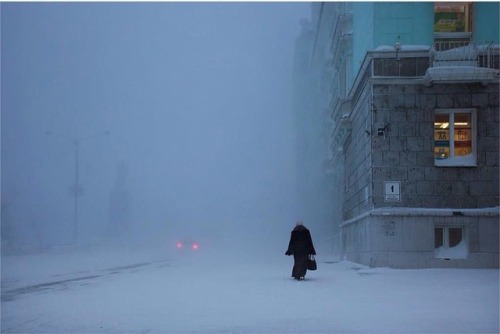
column 408, row 97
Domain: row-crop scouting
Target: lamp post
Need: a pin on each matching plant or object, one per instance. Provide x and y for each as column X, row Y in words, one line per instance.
column 76, row 189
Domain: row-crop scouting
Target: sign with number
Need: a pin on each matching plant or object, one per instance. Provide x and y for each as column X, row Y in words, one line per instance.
column 392, row 191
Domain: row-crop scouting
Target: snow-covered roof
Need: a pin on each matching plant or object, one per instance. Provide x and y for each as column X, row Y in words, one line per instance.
column 416, row 47
column 460, row 74
column 403, row 47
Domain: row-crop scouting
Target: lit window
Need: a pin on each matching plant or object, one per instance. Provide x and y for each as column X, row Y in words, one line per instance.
column 449, row 243
column 452, row 17
column 452, row 25
column 455, row 137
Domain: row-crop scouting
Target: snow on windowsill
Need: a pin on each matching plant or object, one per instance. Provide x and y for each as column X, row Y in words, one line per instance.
column 452, row 253
column 466, row 161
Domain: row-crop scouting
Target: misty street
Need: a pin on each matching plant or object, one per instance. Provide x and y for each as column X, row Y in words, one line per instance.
column 139, row 119
column 172, row 167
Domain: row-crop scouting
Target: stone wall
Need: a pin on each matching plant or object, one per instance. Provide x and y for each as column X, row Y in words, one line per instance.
column 405, row 152
column 358, row 161
column 392, row 139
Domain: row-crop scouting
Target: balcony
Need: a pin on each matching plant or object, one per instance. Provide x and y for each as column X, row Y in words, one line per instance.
column 454, row 54
column 448, row 61
column 462, row 62
column 445, row 41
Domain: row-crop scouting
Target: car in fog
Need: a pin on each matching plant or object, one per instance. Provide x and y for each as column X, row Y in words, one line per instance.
column 187, row 245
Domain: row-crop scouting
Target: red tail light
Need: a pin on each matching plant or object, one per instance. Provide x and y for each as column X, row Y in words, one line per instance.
column 179, row 245
column 195, row 246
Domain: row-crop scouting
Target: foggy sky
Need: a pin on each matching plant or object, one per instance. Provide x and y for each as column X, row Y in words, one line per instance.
column 196, row 97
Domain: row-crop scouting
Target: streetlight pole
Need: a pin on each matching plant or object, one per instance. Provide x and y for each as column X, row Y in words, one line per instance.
column 77, row 189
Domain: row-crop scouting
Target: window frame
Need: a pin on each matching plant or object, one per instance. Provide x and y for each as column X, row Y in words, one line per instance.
column 444, row 251
column 444, row 39
column 453, row 9
column 452, row 160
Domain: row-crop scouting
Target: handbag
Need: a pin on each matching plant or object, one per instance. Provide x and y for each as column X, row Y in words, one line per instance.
column 311, row 263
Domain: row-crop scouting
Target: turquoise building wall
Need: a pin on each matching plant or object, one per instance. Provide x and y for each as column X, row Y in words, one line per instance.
column 404, row 22
column 380, row 23
column 362, row 30
column 485, row 26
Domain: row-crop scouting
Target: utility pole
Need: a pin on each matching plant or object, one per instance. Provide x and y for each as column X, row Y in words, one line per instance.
column 76, row 189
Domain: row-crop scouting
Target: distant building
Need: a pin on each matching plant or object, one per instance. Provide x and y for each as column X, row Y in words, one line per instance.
column 407, row 96
column 315, row 187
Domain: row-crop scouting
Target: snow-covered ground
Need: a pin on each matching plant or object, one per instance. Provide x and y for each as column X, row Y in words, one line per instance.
column 132, row 290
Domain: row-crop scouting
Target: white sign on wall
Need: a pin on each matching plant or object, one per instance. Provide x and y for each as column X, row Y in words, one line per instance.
column 392, row 191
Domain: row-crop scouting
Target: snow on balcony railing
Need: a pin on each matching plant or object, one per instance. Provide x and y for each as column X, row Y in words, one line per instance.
column 448, row 43
column 464, row 53
column 489, row 55
column 473, row 62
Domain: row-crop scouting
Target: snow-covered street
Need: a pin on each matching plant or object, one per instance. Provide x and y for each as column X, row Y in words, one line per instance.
column 159, row 159
column 136, row 291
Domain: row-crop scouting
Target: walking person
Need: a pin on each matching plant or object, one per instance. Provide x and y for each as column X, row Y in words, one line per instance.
column 301, row 247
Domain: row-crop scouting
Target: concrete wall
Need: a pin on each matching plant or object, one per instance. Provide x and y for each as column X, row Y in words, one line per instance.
column 406, row 239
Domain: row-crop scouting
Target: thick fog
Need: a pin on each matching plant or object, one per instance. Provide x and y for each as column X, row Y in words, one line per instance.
column 181, row 114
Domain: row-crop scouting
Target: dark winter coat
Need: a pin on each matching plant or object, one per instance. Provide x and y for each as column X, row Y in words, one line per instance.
column 301, row 246
column 300, row 242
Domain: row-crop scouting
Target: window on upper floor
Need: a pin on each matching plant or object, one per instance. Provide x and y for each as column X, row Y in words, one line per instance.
column 452, row 17
column 452, row 24
column 400, row 67
column 455, row 137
